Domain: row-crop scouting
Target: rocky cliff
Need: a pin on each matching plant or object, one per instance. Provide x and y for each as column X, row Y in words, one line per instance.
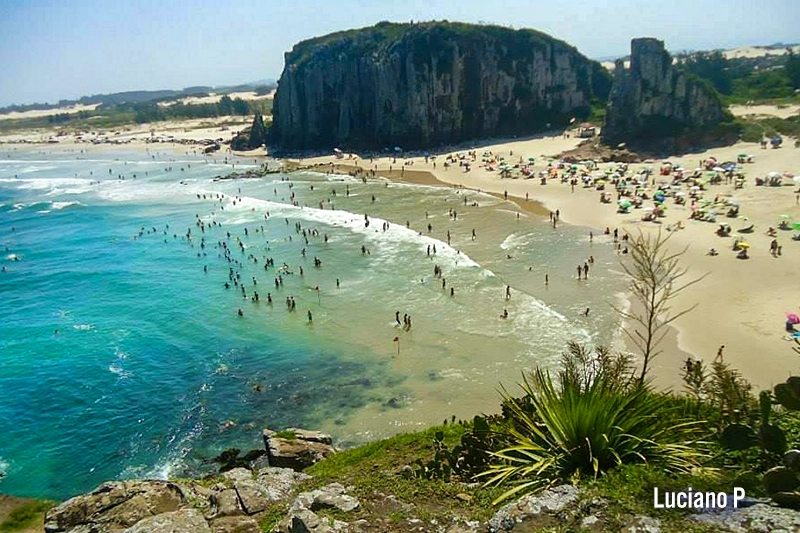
column 422, row 85
column 653, row 99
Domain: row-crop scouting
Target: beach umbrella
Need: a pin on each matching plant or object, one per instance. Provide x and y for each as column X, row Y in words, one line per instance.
column 531, row 159
column 625, row 204
column 648, row 208
column 796, row 179
column 785, row 217
column 792, row 318
column 774, row 175
column 744, row 245
column 796, row 226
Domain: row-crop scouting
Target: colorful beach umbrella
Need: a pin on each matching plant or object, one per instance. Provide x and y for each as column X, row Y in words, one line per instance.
column 792, row 318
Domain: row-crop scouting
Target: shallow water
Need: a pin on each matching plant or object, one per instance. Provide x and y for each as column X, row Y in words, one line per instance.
column 151, row 371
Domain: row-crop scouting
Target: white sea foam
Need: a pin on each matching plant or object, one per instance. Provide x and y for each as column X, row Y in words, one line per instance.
column 83, row 327
column 389, row 240
column 119, row 371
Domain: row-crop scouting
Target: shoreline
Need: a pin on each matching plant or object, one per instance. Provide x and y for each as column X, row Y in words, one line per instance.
column 730, row 310
column 733, row 313
column 665, row 376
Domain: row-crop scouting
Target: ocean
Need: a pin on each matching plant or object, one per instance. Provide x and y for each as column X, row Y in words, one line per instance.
column 123, row 355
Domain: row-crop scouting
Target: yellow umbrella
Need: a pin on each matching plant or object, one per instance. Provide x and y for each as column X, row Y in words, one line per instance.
column 743, row 245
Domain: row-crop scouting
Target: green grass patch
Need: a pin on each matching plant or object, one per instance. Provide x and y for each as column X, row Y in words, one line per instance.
column 27, row 516
column 286, row 434
column 375, row 467
column 271, row 518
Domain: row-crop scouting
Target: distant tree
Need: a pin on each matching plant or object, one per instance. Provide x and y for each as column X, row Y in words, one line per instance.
column 792, row 69
column 225, row 105
column 240, row 107
column 712, row 66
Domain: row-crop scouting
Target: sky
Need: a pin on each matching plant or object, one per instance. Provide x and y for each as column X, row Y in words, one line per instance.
column 54, row 49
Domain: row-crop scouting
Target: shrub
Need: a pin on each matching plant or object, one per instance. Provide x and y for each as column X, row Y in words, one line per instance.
column 589, row 424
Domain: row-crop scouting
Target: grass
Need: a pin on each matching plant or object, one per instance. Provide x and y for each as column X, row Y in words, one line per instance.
column 374, row 468
column 28, row 515
column 286, row 434
column 271, row 518
column 628, row 490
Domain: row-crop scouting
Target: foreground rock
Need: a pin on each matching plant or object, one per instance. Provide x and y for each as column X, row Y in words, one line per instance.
column 300, row 451
column 230, row 506
column 302, row 517
column 428, row 84
column 653, row 100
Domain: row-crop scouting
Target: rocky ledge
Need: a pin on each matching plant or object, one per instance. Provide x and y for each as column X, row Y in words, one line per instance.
column 272, row 494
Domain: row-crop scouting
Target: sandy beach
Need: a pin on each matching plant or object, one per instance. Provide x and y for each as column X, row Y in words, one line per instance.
column 740, row 303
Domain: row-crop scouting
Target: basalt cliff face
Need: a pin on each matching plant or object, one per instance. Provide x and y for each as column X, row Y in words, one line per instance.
column 429, row 84
column 654, row 100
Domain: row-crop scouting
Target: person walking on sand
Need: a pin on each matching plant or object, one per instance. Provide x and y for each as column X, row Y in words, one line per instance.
column 718, row 358
column 579, row 272
column 508, row 292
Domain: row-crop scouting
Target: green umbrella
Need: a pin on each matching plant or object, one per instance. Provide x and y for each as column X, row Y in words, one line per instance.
column 531, row 159
column 796, row 226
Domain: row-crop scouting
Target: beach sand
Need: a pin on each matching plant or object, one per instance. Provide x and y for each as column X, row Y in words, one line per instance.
column 740, row 303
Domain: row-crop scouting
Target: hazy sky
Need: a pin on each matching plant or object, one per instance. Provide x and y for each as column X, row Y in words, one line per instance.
column 52, row 49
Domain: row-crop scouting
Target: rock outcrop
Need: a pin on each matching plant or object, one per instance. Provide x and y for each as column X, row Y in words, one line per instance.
column 253, row 138
column 429, row 84
column 297, row 448
column 230, row 506
column 653, row 99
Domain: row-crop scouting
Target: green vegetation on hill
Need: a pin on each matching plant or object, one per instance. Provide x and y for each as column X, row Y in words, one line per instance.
column 747, row 79
column 117, row 115
column 26, row 516
column 376, row 39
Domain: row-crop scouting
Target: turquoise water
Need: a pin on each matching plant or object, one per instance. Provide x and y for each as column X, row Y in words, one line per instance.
column 120, row 356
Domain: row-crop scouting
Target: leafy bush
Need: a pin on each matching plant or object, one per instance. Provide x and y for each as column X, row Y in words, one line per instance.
column 597, row 418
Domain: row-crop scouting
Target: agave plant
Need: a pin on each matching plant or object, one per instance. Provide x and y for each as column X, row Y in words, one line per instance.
column 582, row 428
